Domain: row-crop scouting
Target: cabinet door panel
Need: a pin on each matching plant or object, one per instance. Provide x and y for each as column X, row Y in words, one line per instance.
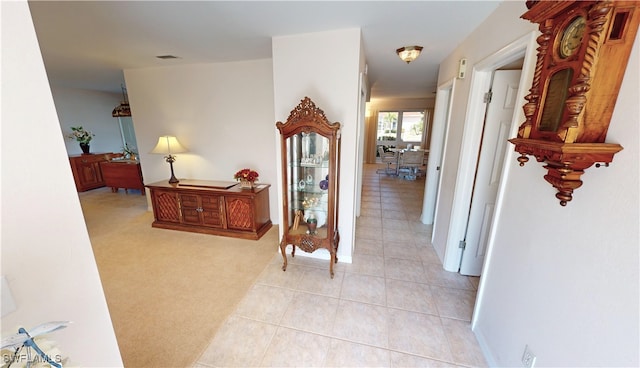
column 166, row 206
column 189, row 201
column 212, row 211
column 240, row 214
column 89, row 174
column 189, row 207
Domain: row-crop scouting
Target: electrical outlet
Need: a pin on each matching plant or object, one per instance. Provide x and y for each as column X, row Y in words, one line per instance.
column 528, row 358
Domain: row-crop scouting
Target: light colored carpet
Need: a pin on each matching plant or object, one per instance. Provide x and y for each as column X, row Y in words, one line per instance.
column 167, row 291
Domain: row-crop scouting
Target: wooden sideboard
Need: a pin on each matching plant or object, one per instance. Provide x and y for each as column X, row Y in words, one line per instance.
column 122, row 174
column 86, row 169
column 211, row 207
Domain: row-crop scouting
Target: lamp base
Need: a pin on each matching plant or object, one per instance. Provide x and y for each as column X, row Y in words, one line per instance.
column 173, row 179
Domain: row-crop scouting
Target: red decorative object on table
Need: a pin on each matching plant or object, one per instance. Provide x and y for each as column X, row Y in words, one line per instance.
column 246, row 177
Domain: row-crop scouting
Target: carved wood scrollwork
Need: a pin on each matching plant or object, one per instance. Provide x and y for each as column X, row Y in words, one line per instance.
column 565, row 162
column 307, row 110
column 597, row 17
column 307, row 244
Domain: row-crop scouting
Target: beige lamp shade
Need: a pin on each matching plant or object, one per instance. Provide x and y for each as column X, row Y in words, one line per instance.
column 168, row 145
column 409, row 53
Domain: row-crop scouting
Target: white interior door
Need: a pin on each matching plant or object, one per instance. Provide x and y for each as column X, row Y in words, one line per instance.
column 437, row 145
column 499, row 116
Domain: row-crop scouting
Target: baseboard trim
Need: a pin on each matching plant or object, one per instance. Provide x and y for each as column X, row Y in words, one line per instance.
column 486, row 351
column 318, row 254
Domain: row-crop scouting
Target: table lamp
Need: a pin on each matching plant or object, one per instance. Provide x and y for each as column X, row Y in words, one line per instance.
column 168, row 145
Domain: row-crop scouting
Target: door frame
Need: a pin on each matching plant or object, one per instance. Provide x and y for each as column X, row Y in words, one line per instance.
column 359, row 159
column 481, row 77
column 437, row 149
column 496, row 130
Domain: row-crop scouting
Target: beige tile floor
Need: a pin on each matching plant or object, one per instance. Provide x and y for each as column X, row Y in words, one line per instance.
column 394, row 306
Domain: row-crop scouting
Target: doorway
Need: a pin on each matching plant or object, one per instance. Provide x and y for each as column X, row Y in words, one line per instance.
column 437, row 147
column 481, row 79
column 501, row 104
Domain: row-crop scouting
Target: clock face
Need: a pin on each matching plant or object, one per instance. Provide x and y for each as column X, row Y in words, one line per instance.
column 572, row 37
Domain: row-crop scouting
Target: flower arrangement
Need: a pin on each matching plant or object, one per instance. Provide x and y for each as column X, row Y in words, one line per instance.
column 81, row 135
column 246, row 174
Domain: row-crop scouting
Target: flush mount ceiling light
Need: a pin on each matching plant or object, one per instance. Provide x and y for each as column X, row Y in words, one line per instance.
column 167, row 57
column 409, row 53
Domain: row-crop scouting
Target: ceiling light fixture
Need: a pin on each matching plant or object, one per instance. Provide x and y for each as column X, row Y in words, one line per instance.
column 167, row 57
column 123, row 109
column 409, row 53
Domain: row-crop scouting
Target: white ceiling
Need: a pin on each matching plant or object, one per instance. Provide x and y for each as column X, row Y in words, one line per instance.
column 87, row 44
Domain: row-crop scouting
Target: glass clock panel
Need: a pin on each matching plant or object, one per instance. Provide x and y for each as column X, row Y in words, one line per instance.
column 308, row 183
column 555, row 99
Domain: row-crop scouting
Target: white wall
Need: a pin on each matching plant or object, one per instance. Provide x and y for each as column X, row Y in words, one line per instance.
column 563, row 280
column 92, row 110
column 377, row 104
column 46, row 253
column 306, row 65
column 501, row 28
column 222, row 113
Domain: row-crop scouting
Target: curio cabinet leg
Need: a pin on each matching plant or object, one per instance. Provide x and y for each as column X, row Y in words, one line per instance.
column 283, row 248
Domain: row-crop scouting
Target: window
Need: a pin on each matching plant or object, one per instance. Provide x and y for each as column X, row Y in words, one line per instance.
column 412, row 126
column 400, row 127
column 387, row 127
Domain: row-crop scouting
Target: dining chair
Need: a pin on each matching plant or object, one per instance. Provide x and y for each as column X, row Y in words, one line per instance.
column 410, row 163
column 388, row 158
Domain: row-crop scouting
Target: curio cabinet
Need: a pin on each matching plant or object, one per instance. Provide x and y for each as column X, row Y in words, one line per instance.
column 310, row 147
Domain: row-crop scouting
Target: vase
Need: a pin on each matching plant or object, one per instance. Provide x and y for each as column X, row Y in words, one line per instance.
column 85, row 148
column 312, row 225
column 246, row 184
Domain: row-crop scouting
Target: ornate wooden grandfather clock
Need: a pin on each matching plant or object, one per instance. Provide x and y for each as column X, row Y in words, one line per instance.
column 582, row 58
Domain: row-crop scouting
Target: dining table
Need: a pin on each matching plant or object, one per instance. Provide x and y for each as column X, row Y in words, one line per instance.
column 400, row 151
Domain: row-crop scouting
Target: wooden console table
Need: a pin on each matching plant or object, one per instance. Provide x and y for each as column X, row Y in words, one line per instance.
column 211, row 207
column 122, row 174
column 86, row 169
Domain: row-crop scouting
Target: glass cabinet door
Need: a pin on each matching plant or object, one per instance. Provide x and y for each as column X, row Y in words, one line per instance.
column 308, row 184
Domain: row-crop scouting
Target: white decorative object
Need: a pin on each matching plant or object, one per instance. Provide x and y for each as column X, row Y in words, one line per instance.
column 13, row 345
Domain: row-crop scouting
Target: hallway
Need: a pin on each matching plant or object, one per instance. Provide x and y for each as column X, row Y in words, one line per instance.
column 394, row 306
